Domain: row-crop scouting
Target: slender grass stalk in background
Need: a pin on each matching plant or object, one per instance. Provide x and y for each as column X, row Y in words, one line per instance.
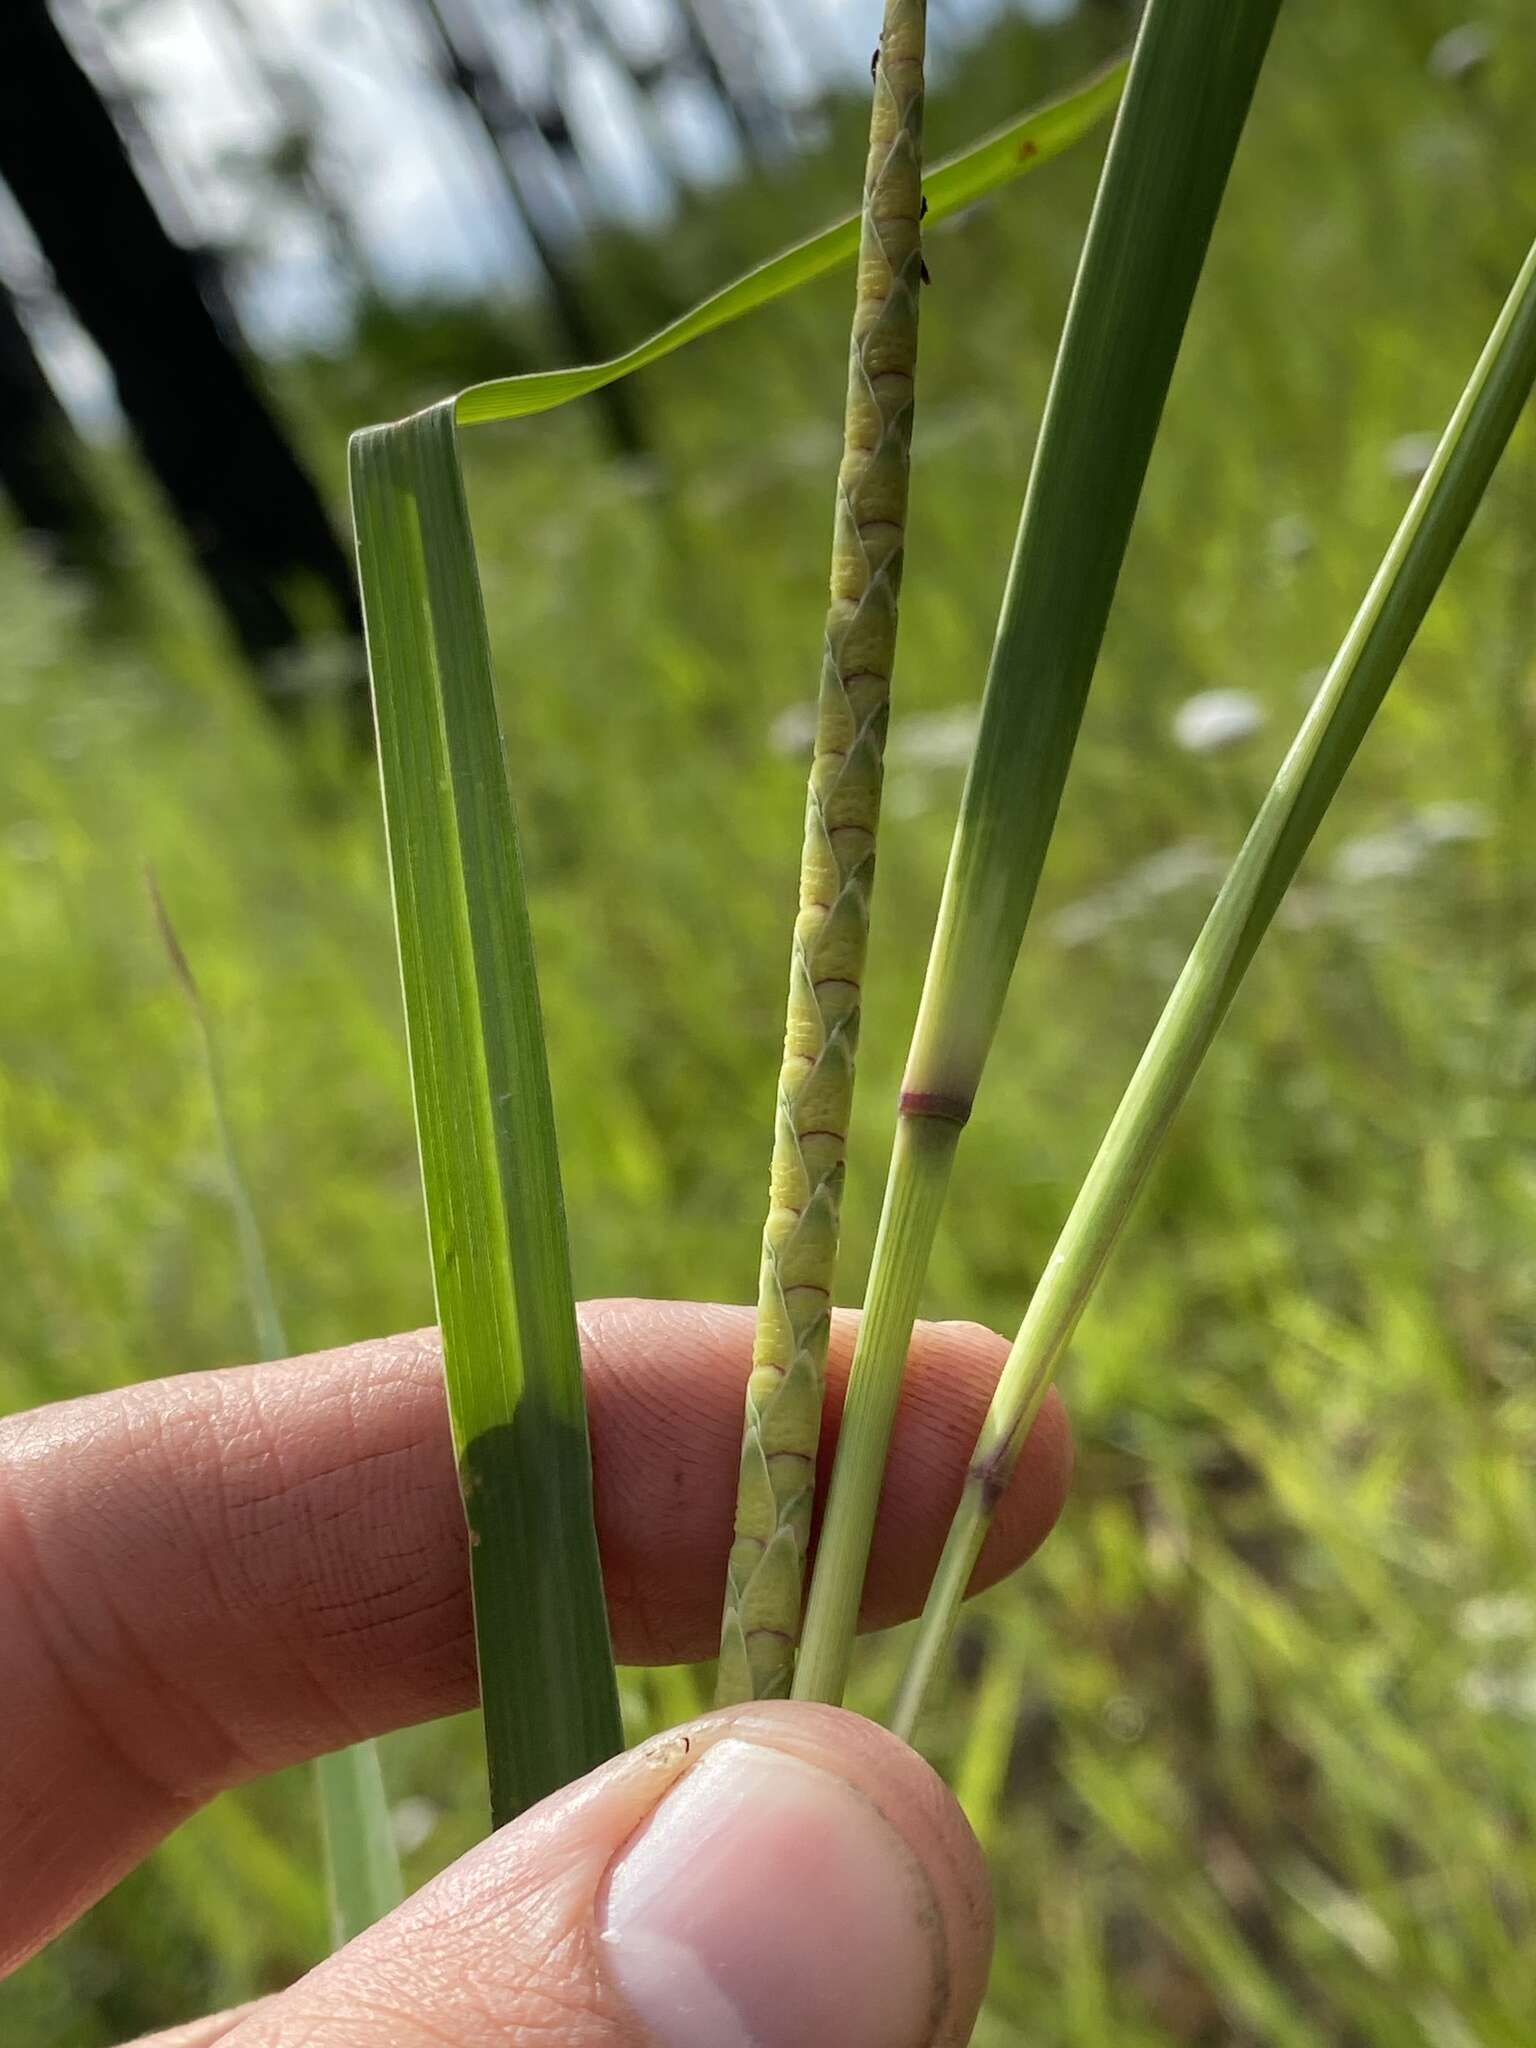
column 255, row 1270
column 765, row 1577
column 485, row 1122
column 362, row 1865
column 1192, row 77
column 1404, row 586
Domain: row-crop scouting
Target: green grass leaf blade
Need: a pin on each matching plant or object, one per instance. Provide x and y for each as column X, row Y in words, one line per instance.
column 362, row 1864
column 485, row 1122
column 1191, row 82
column 1022, row 146
column 1308, row 779
column 1193, row 75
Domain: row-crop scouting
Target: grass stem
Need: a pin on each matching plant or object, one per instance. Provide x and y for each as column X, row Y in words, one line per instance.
column 1191, row 81
column 923, row 1156
column 1349, row 697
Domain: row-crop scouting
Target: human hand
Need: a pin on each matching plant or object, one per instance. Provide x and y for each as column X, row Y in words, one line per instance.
column 207, row 1578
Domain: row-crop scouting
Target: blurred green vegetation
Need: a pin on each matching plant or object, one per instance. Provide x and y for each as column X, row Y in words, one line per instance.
column 1250, row 1743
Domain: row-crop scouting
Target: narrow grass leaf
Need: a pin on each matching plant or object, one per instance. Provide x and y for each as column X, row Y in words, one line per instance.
column 485, row 1122
column 362, row 1865
column 1351, row 694
column 1022, row 146
column 1191, row 81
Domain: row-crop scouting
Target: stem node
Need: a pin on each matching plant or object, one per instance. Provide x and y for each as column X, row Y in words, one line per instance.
column 950, row 1109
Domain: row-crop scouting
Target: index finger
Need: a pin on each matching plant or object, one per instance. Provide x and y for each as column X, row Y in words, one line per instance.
column 207, row 1578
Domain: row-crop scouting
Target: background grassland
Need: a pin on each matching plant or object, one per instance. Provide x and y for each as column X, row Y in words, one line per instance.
column 1250, row 1743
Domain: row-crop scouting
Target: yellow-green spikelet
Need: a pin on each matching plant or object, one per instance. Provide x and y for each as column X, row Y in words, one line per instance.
column 784, row 1394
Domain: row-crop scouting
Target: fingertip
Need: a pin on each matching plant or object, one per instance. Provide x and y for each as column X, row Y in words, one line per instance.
column 810, row 1880
column 768, row 1876
column 206, row 2033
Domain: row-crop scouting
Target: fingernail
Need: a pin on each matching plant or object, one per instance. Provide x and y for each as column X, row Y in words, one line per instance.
column 766, row 1904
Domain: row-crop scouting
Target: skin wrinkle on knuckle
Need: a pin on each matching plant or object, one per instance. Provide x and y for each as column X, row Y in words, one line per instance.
column 311, row 1612
column 364, row 1608
column 648, row 1491
column 86, row 1620
column 638, row 1534
column 255, row 1593
column 56, row 1663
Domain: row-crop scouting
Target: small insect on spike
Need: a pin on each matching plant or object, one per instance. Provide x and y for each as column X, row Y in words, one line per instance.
column 874, row 63
column 922, row 211
column 923, row 272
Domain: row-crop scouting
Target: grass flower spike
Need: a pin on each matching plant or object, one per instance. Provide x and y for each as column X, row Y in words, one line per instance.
column 784, row 1394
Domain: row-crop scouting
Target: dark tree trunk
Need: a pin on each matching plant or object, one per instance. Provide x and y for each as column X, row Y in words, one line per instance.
column 522, row 157
column 44, row 470
column 295, row 161
column 588, row 20
column 721, row 57
column 250, row 512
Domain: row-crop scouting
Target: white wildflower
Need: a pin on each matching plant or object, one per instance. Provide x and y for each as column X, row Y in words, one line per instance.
column 935, row 739
column 1453, row 824
column 1387, row 856
column 1497, row 1618
column 1191, row 864
column 413, row 1822
column 1409, row 456
column 1291, row 537
column 1460, row 52
column 1501, row 1692
column 1401, row 850
column 794, row 730
column 1215, row 719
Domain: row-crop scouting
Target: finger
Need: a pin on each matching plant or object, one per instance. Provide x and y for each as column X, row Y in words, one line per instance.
column 777, row 1876
column 206, row 2033
column 207, row 1578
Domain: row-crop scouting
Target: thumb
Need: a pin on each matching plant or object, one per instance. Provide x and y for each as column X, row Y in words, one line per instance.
column 773, row 1876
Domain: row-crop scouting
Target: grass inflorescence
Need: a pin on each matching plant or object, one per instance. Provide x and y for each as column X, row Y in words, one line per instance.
column 1262, row 1705
column 765, row 1577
